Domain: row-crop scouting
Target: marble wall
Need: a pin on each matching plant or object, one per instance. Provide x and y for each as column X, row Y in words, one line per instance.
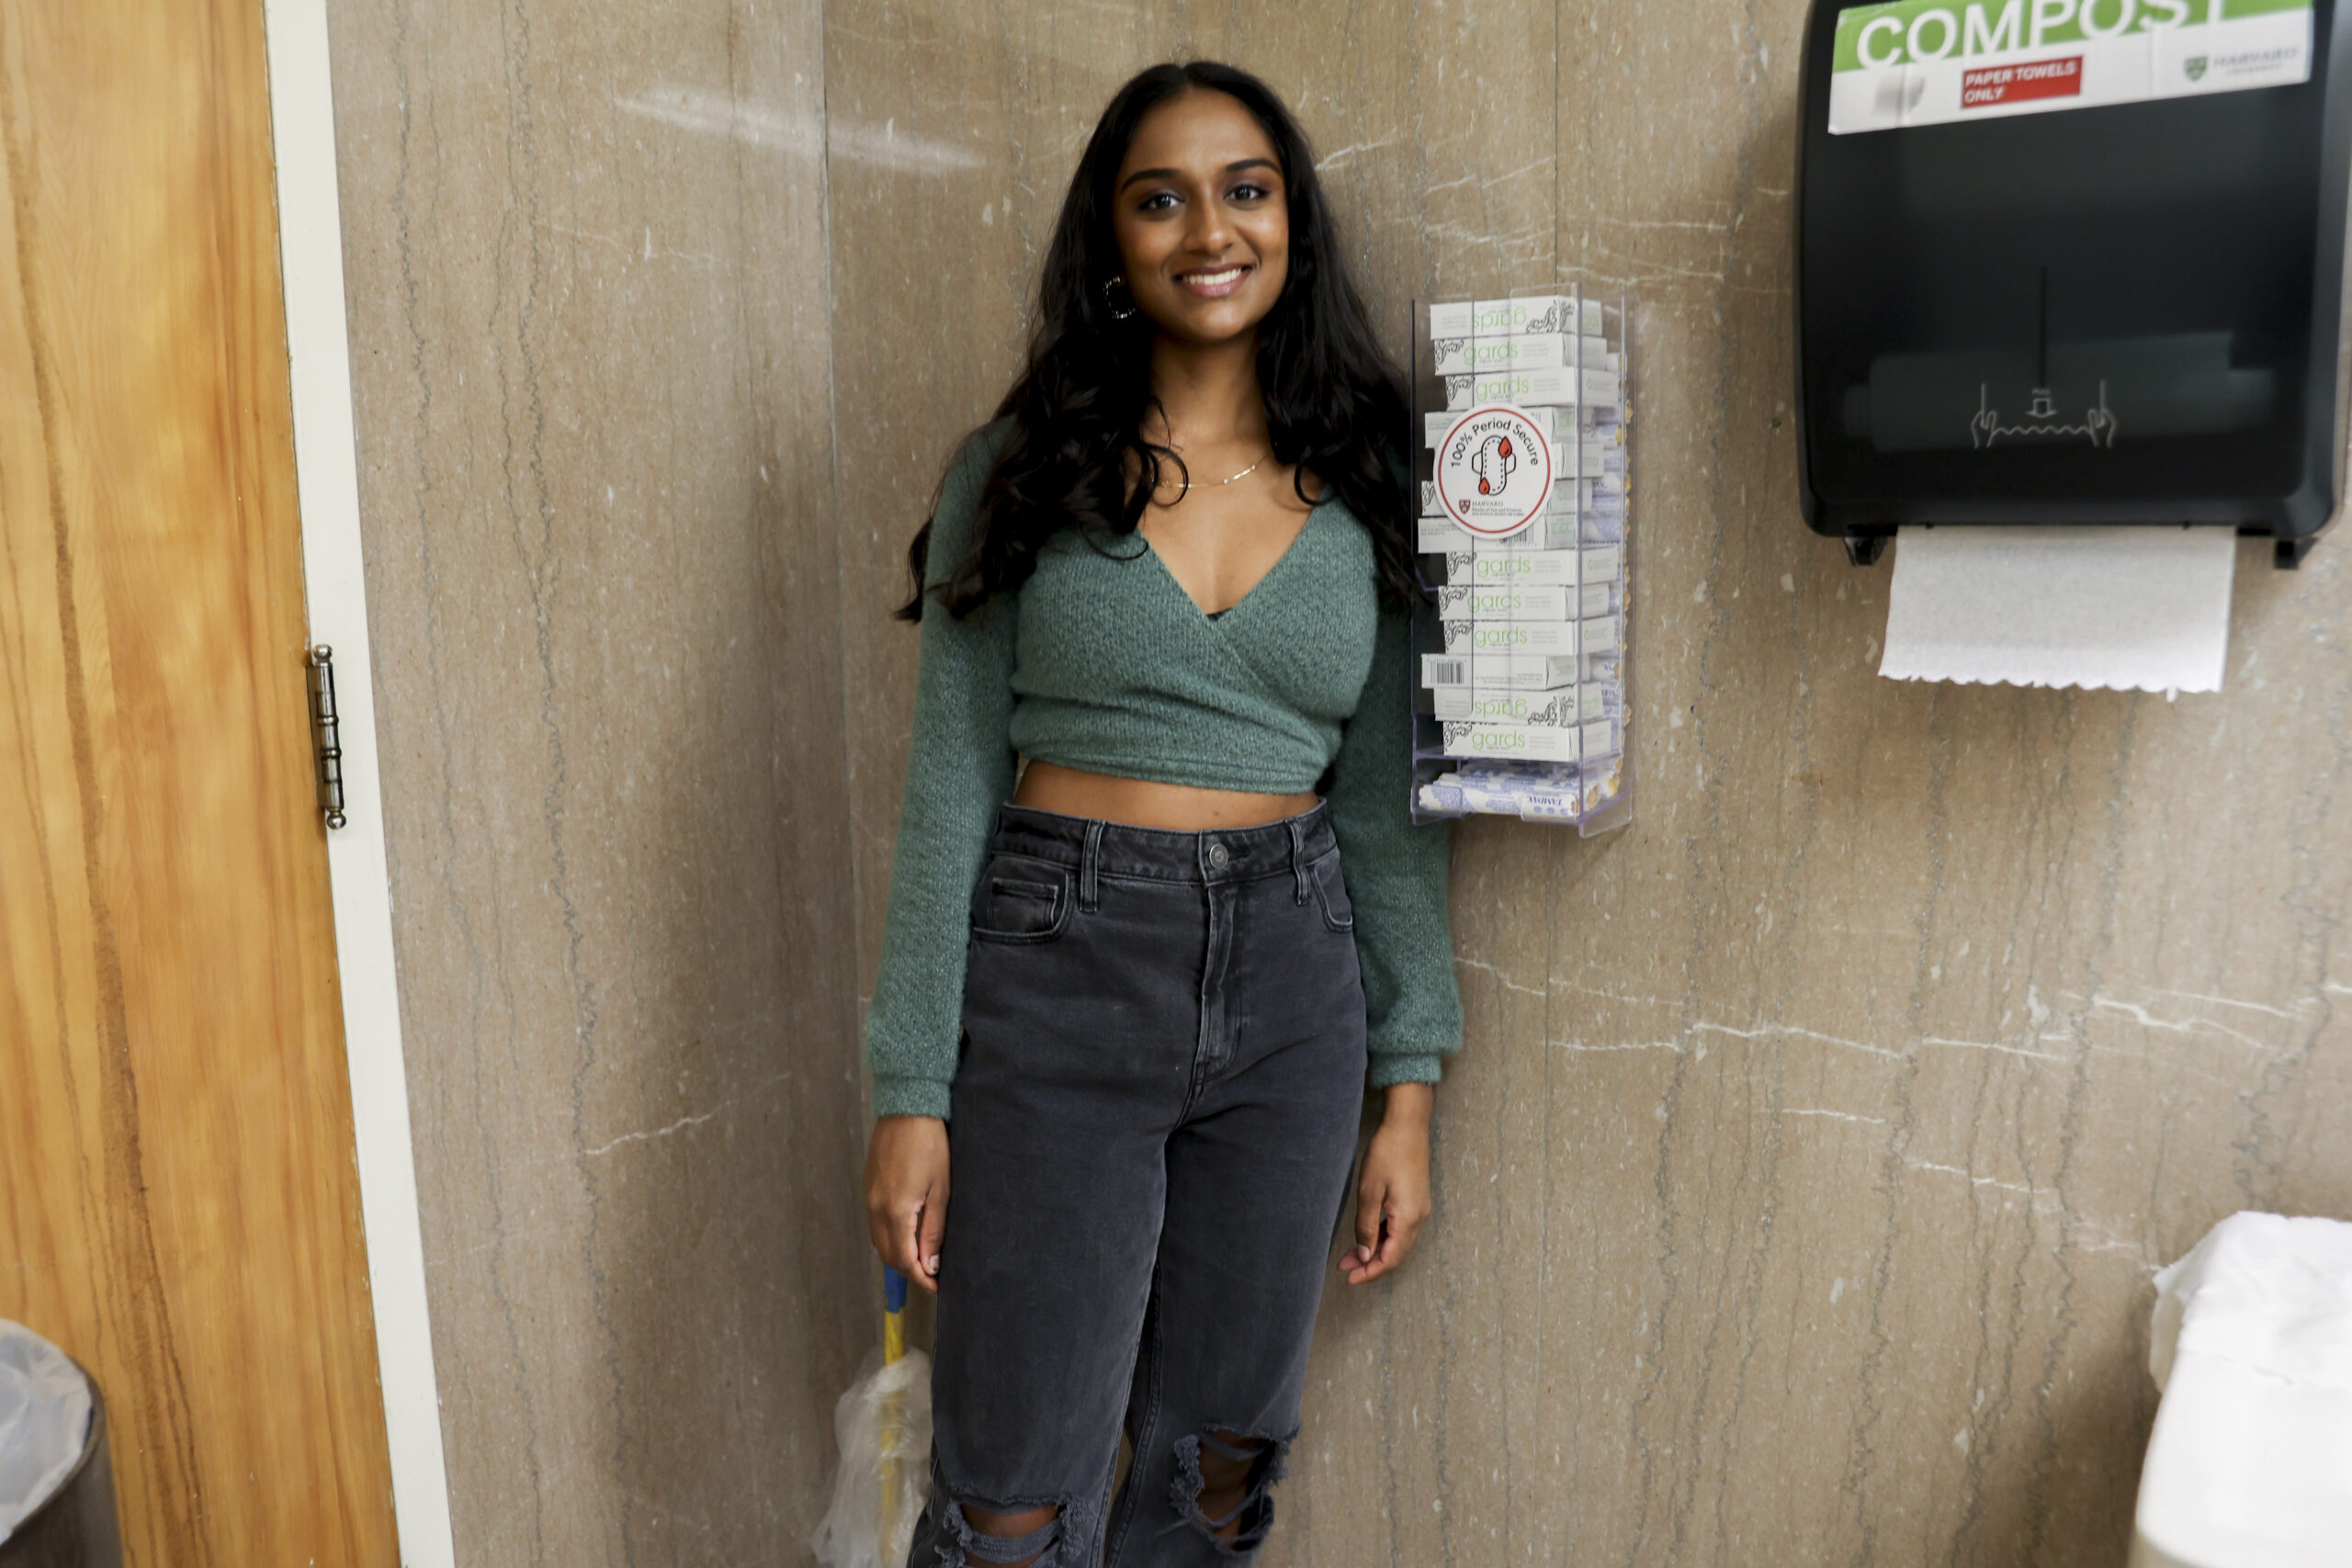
column 1816, row 1135
column 585, row 252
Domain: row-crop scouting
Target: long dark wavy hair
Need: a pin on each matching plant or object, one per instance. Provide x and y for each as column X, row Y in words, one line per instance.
column 1335, row 402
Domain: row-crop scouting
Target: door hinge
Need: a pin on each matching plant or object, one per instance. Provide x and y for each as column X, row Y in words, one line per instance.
column 324, row 737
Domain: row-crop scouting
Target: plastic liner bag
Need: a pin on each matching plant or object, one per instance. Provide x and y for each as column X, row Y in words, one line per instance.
column 44, row 1421
column 2261, row 1291
column 2249, row 1463
column 883, row 1425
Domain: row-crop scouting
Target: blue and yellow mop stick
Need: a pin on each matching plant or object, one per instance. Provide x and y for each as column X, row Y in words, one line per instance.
column 894, row 1346
column 894, row 1315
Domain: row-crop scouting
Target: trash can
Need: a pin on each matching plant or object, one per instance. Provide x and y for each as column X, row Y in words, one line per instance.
column 67, row 1488
column 2250, row 1463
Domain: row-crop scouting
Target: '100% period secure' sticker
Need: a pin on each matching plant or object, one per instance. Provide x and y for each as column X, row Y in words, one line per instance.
column 1494, row 471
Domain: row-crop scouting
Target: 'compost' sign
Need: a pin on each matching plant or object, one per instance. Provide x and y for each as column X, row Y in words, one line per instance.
column 1935, row 62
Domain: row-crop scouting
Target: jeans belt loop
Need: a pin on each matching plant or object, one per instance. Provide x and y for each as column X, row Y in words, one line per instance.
column 1088, row 895
column 1298, row 857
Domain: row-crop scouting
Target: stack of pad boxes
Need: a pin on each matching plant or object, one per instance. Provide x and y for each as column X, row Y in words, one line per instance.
column 1521, row 649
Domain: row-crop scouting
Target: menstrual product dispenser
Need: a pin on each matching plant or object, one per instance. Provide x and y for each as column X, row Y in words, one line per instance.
column 2071, row 261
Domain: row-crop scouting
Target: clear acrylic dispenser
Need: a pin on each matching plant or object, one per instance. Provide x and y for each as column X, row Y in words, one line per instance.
column 1521, row 647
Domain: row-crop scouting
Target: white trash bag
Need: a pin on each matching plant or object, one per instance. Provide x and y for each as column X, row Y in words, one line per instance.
column 44, row 1421
column 883, row 1425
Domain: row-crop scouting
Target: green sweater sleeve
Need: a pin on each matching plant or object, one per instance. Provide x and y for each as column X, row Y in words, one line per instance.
column 1395, row 874
column 958, row 772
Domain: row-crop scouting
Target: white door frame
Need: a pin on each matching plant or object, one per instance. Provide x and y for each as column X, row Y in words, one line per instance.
column 326, row 473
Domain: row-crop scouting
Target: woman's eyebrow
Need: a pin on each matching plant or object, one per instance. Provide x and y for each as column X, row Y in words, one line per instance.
column 1235, row 168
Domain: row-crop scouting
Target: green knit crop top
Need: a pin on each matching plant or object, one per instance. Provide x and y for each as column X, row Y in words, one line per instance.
column 1103, row 661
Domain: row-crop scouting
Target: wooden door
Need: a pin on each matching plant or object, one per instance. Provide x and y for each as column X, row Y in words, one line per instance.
column 178, row 1207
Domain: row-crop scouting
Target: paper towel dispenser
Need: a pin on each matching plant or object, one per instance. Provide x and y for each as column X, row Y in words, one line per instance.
column 2071, row 261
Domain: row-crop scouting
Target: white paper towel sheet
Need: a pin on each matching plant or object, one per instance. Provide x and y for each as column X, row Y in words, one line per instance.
column 2126, row 607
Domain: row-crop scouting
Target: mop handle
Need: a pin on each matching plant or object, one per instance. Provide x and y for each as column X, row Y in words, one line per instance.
column 893, row 1346
column 894, row 1314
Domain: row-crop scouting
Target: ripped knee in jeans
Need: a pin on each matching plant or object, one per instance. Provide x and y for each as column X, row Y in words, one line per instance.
column 1224, row 1484
column 1022, row 1535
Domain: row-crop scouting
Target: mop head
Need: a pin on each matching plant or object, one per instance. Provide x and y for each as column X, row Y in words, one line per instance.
column 883, row 1425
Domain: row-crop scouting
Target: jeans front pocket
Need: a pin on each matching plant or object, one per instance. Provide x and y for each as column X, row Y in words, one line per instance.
column 1331, row 893
column 1019, row 901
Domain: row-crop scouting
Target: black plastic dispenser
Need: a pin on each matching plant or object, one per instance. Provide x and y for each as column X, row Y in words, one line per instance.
column 2042, row 302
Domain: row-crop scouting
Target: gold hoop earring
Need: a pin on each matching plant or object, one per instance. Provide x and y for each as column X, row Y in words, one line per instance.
column 1111, row 304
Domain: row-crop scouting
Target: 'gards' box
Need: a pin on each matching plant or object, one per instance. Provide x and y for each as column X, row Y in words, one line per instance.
column 1539, row 671
column 1555, row 387
column 1561, row 503
column 1602, row 563
column 1504, row 318
column 1575, row 453
column 1603, row 450
column 1554, row 531
column 1597, row 707
column 1596, row 450
column 1557, row 709
column 1602, row 738
column 1528, row 351
column 1598, row 635
column 1485, row 564
column 1558, row 425
column 1469, row 738
column 1480, row 638
column 1505, row 601
column 1596, row 599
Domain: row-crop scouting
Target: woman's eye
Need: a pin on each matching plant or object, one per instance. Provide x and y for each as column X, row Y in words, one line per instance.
column 1157, row 201
column 1249, row 193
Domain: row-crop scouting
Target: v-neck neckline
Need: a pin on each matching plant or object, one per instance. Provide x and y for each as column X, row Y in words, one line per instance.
column 1218, row 617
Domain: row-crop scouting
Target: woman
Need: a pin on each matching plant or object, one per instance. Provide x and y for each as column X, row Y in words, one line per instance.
column 1171, row 576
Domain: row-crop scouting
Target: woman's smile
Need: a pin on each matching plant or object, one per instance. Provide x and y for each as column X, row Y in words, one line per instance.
column 1216, row 281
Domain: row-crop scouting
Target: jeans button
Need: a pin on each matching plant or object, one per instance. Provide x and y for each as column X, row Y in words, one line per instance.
column 1218, row 859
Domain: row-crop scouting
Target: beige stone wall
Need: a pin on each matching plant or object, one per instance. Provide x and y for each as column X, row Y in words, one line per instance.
column 1816, row 1135
column 586, row 255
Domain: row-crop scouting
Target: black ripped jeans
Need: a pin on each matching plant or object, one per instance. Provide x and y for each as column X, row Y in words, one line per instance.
column 1154, row 1116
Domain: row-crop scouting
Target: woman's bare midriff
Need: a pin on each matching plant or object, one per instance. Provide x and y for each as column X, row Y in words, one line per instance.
column 1143, row 803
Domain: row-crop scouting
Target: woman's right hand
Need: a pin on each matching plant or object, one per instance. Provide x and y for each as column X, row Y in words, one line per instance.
column 905, row 1194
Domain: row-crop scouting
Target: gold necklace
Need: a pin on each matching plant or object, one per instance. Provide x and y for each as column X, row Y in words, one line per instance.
column 1187, row 484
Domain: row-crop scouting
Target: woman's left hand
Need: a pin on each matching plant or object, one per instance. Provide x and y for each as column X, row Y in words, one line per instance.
column 1393, row 1198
